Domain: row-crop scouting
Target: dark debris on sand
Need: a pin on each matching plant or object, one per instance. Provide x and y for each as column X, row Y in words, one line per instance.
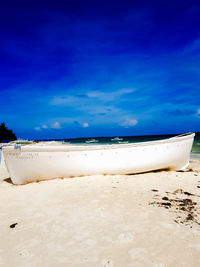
column 186, row 209
column 13, row 225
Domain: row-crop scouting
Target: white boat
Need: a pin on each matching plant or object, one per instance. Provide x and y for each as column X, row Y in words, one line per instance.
column 117, row 139
column 35, row 162
column 92, row 141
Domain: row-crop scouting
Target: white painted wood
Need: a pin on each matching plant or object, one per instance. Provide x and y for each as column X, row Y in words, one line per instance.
column 39, row 162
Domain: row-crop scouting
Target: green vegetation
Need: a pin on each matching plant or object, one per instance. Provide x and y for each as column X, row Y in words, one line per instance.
column 6, row 134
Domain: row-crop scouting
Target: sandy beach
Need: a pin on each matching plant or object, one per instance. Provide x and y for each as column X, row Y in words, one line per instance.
column 150, row 219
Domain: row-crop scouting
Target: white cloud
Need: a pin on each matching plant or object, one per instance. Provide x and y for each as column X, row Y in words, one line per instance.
column 56, row 125
column 129, row 122
column 85, row 125
column 107, row 96
column 83, row 99
column 37, row 128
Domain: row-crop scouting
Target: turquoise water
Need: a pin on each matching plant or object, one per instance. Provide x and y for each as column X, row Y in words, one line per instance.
column 196, row 148
column 111, row 140
column 196, row 145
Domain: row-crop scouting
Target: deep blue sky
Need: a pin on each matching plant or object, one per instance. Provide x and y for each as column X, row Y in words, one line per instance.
column 99, row 68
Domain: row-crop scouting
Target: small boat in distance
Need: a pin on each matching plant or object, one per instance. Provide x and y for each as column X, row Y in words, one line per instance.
column 92, row 141
column 117, row 139
column 22, row 142
column 37, row 162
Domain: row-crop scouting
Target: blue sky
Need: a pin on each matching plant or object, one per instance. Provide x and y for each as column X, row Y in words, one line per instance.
column 99, row 68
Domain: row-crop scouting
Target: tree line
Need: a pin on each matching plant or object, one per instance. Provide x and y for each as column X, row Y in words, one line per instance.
column 6, row 134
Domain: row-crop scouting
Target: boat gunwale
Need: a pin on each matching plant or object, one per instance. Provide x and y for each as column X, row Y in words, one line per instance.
column 72, row 147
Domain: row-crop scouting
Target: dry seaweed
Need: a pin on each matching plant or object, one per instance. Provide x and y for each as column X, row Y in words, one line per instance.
column 185, row 208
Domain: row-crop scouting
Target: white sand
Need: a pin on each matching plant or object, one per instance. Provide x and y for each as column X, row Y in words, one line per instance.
column 100, row 221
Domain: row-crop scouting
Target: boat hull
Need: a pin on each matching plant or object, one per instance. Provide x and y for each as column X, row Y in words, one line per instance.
column 34, row 162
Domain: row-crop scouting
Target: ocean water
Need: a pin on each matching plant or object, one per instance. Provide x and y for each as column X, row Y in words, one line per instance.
column 196, row 144
column 195, row 154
